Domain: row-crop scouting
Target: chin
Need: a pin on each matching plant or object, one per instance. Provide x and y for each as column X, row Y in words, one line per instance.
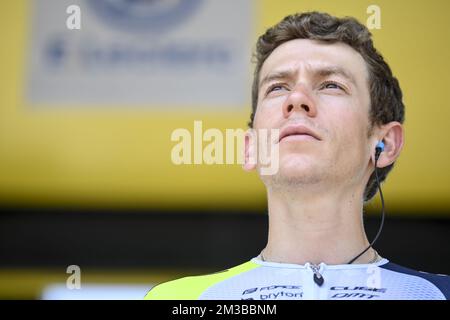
column 294, row 170
column 297, row 163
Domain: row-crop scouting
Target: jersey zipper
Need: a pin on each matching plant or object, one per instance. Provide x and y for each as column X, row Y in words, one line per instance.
column 317, row 277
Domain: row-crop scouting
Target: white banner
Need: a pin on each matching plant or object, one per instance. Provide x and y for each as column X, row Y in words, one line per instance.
column 151, row 52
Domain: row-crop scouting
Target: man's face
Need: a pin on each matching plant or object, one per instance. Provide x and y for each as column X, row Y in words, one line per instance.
column 323, row 87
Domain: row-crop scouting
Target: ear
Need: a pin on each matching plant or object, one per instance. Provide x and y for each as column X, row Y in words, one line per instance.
column 392, row 135
column 250, row 150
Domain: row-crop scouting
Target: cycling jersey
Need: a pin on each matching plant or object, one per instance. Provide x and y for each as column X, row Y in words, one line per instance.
column 264, row 280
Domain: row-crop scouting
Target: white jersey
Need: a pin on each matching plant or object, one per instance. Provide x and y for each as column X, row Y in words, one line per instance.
column 263, row 280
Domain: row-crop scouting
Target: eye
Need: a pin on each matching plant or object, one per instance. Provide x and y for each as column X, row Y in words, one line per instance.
column 332, row 85
column 275, row 87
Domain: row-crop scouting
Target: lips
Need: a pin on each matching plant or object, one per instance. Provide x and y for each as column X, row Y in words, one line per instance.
column 297, row 130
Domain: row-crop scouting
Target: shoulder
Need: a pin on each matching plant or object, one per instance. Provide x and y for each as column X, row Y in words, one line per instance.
column 440, row 282
column 191, row 287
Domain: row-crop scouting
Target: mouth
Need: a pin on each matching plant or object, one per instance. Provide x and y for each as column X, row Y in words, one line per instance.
column 297, row 133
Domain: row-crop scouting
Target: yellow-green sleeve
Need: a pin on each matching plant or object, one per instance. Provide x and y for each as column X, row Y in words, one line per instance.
column 192, row 287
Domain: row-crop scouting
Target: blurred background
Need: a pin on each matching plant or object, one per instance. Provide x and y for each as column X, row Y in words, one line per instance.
column 86, row 117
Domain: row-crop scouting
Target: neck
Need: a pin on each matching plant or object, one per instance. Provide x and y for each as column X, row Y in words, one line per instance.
column 316, row 227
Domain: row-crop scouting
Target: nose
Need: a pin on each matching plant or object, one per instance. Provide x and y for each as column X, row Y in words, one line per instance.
column 298, row 100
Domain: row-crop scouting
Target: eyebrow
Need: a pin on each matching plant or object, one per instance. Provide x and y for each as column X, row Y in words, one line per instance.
column 320, row 72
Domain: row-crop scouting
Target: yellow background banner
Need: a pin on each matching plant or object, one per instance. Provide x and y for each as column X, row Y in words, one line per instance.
column 120, row 157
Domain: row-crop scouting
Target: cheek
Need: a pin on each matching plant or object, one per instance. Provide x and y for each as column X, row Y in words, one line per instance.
column 348, row 133
column 268, row 113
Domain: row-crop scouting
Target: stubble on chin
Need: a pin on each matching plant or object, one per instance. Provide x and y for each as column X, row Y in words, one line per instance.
column 286, row 179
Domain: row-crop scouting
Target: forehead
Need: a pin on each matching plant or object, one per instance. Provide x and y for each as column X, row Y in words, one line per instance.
column 305, row 54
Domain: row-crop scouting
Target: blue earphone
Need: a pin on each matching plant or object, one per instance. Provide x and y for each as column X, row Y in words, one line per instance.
column 378, row 149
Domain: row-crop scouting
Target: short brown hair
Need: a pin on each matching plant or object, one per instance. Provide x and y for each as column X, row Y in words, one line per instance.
column 386, row 103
